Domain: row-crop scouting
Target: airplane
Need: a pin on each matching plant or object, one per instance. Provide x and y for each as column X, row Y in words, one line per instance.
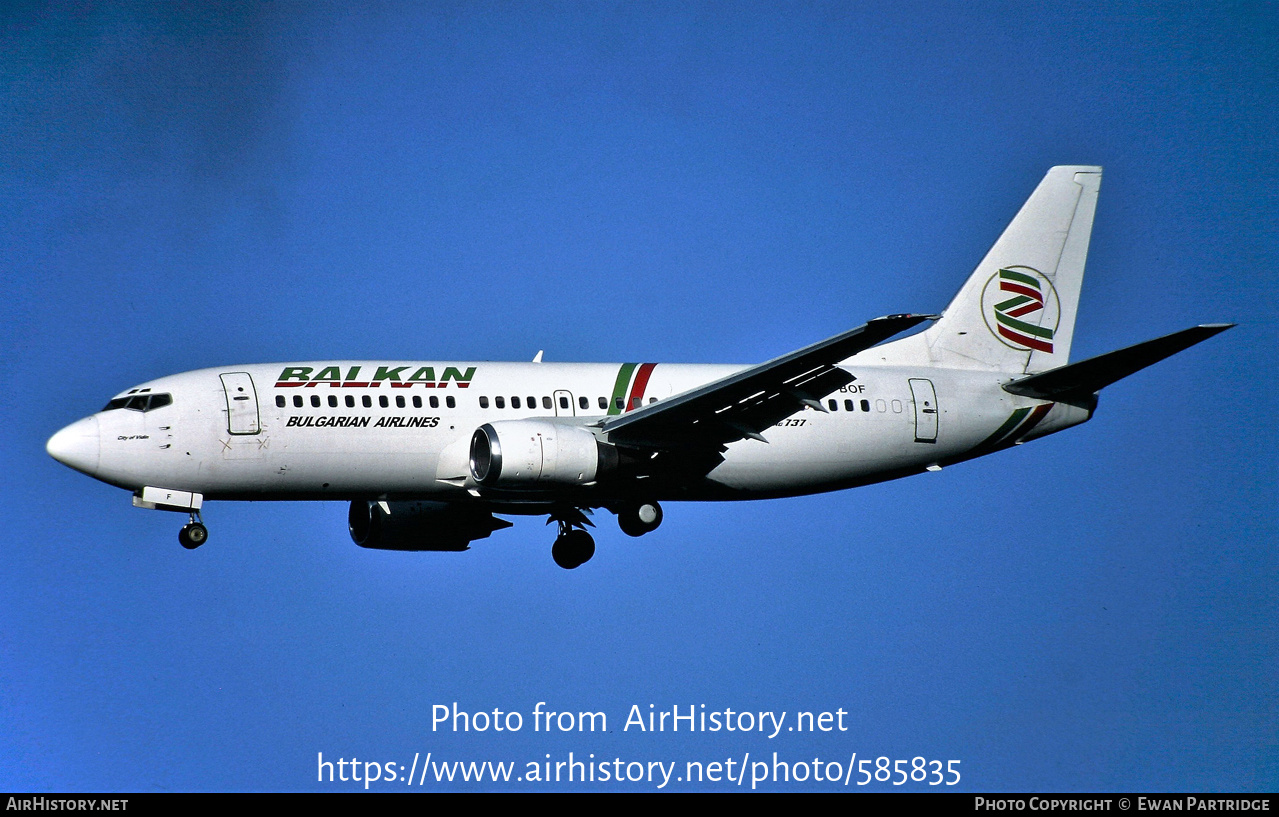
column 428, row 452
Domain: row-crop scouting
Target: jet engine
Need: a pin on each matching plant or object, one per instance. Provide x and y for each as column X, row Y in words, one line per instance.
column 419, row 525
column 537, row 454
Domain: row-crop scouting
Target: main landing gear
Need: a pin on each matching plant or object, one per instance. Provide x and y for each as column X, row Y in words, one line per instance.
column 640, row 518
column 193, row 533
column 574, row 547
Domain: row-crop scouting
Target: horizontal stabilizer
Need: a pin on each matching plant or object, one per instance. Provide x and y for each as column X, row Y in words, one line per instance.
column 1090, row 376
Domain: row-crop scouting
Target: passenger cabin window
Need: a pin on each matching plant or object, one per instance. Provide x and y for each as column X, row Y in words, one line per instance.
column 279, row 401
column 333, row 401
column 848, row 406
column 563, row 402
column 435, row 401
column 382, row 401
column 515, row 402
column 832, row 405
column 583, row 402
column 484, row 402
column 315, row 401
column 449, row 401
column 865, row 405
column 546, row 402
column 297, row 401
column 621, row 403
column 417, row 401
column 500, row 402
column 350, row 401
column 603, row 403
column 532, row 402
column 399, row 401
column 367, row 401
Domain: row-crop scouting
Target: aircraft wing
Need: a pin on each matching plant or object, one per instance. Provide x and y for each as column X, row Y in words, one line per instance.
column 745, row 404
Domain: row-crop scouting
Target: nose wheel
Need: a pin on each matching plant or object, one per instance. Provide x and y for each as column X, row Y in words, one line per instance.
column 194, row 533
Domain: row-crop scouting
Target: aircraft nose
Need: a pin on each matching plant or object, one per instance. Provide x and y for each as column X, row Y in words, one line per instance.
column 77, row 445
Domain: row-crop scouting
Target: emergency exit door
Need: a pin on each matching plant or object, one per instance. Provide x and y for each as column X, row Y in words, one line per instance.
column 925, row 410
column 564, row 404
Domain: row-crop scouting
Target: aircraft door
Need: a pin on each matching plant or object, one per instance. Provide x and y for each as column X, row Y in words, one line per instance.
column 564, row 404
column 241, row 403
column 925, row 410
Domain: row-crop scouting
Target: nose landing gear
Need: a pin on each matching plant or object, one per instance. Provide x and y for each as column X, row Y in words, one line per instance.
column 193, row 533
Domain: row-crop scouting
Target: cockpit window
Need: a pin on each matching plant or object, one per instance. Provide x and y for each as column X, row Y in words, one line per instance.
column 139, row 402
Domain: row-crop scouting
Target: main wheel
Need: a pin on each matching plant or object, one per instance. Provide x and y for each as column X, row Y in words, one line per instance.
column 562, row 553
column 193, row 535
column 637, row 520
column 573, row 549
column 583, row 546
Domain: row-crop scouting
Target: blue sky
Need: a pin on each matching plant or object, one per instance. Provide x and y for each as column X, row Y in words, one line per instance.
column 207, row 185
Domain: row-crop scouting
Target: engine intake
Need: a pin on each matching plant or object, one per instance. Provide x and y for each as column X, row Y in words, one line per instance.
column 538, row 453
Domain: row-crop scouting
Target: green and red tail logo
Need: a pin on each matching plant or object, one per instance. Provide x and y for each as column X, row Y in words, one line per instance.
column 1021, row 308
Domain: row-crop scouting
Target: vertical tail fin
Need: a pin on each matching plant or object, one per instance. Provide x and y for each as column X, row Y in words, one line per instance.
column 1016, row 313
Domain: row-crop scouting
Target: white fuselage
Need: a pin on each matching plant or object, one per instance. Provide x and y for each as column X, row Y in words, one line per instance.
column 366, row 430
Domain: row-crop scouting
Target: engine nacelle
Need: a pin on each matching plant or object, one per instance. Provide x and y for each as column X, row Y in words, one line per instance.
column 419, row 525
column 538, row 453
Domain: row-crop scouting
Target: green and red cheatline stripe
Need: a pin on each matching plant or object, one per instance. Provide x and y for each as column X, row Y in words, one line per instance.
column 1016, row 426
column 635, row 397
column 1028, row 298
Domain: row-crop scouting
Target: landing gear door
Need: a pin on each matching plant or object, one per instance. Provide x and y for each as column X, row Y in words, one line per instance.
column 925, row 410
column 241, row 403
